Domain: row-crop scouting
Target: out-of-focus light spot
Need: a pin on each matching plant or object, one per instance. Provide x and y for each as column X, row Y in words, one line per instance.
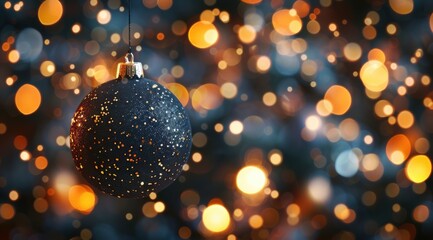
column 352, row 51
column 247, row 34
column 422, row 145
column 370, row 162
column 369, row 32
column 82, row 198
column 203, row 34
column 343, row 213
column 293, row 210
column 376, row 54
column 20, row 142
column 148, row 210
column 340, row 99
column 255, row 221
column 324, row 108
column 8, row 5
column 319, row 189
column 251, row 179
column 398, row 149
column 275, row 157
column 349, row 129
column 25, row 156
column 374, row 76
column 418, row 168
column 27, row 99
column 421, row 213
column 402, row 7
column 269, row 99
column 347, row 164
column 14, row 56
column 207, row 16
column 50, row 12
column 216, row 218
column 197, row 157
column 383, row 108
column 236, row 127
column 159, row 207
column 41, row 162
column 7, row 211
column 219, row 127
column 313, row 123
column 164, row 4
column 206, row 97
column 391, row 29
column 70, row 81
column 115, row 38
column 405, row 119
column 13, row 195
column 184, row 232
column 40, row 205
column 29, row 44
column 179, row 28
column 229, row 90
column 368, row 139
column 431, row 22
column 313, row 27
column 76, row 28
column 302, row 8
column 47, row 68
column 263, row 64
column 199, row 139
column 286, row 22
column 252, row 1
column 224, row 17
column 103, row 16
column 309, row 68
column 179, row 91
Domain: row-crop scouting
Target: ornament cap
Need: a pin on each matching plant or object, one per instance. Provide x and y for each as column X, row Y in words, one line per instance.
column 129, row 69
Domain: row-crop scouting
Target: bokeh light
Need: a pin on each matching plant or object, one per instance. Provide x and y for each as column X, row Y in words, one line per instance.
column 418, row 168
column 50, row 12
column 203, row 34
column 251, row 179
column 28, row 99
column 216, row 218
column 374, row 76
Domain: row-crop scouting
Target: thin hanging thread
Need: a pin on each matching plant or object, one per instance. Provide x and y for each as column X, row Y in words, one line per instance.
column 129, row 26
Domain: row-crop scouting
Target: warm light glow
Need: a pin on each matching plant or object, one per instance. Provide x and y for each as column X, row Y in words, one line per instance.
column 251, row 179
column 398, row 149
column 402, row 7
column 216, row 218
column 247, row 34
column 405, row 119
column 374, row 76
column 319, row 189
column 41, row 162
column 82, row 198
column 47, row 68
column 377, row 54
column 50, row 12
column 255, row 221
column 206, row 97
column 340, row 99
column 203, row 34
column 27, row 99
column 251, row 1
column 313, row 123
column 418, row 168
column 236, row 127
column 103, row 17
column 286, row 22
column 179, row 91
column 352, row 51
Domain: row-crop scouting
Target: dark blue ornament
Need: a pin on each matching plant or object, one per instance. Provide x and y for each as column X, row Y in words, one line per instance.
column 130, row 137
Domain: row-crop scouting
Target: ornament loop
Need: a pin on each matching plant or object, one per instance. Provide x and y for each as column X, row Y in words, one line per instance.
column 129, row 58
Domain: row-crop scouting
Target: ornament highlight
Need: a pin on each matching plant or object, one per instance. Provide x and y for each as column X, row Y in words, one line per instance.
column 130, row 136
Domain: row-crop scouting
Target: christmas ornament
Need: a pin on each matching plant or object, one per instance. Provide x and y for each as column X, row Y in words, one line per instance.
column 130, row 136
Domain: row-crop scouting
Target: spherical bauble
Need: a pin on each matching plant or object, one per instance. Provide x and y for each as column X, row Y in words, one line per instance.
column 130, row 137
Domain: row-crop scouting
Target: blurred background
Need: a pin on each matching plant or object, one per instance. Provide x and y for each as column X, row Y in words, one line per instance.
column 311, row 119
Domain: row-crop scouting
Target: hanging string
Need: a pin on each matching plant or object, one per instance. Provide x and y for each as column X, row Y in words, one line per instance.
column 129, row 26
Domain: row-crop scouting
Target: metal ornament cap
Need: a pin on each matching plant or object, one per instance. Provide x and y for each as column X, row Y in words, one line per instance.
column 129, row 69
